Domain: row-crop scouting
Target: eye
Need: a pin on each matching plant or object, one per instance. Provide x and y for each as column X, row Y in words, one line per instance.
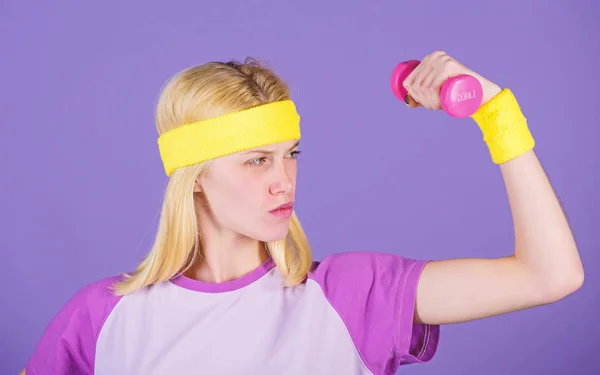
column 295, row 154
column 257, row 161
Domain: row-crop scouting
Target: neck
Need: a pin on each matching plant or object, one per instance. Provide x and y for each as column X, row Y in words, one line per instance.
column 227, row 257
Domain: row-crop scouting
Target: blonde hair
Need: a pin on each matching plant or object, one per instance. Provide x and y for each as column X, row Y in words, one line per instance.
column 194, row 94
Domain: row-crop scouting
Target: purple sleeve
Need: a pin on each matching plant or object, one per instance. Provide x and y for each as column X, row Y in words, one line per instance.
column 374, row 294
column 68, row 345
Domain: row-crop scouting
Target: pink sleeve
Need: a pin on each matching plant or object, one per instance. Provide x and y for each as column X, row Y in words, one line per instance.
column 374, row 294
column 68, row 345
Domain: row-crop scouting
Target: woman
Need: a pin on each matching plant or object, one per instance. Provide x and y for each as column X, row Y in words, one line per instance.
column 230, row 287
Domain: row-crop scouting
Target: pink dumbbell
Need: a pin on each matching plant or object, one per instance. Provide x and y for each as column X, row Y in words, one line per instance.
column 460, row 95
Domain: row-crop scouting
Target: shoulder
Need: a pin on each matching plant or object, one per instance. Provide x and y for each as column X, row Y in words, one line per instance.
column 360, row 276
column 94, row 300
column 366, row 266
column 93, row 293
column 68, row 343
column 374, row 293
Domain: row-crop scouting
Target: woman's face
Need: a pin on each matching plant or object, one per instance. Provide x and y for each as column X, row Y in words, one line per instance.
column 242, row 190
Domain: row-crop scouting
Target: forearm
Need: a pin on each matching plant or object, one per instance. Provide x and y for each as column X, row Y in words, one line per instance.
column 544, row 268
column 544, row 243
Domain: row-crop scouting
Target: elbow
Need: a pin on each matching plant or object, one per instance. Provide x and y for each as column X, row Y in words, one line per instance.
column 563, row 285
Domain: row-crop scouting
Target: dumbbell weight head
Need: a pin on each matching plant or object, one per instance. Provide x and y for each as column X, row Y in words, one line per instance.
column 399, row 74
column 460, row 96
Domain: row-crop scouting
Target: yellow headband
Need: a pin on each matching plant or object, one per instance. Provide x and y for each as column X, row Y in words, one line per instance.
column 254, row 127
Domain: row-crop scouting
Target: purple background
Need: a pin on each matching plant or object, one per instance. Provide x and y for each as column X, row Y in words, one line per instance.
column 82, row 178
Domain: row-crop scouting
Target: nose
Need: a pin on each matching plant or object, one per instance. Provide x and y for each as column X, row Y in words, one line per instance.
column 282, row 184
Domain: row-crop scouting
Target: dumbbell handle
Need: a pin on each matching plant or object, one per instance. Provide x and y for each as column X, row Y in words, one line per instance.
column 410, row 101
column 460, row 96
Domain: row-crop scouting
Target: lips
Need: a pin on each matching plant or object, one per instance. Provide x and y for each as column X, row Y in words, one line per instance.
column 284, row 206
column 285, row 211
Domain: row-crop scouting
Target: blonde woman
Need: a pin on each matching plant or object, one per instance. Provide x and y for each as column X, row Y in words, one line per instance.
column 230, row 286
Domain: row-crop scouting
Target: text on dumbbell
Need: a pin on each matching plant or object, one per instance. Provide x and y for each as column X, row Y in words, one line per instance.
column 467, row 95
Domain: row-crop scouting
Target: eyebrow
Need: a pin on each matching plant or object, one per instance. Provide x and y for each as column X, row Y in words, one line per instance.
column 268, row 152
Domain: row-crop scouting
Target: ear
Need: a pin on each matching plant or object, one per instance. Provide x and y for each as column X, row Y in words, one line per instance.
column 197, row 186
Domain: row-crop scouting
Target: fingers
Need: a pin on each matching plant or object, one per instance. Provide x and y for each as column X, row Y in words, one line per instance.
column 415, row 80
column 428, row 93
column 425, row 82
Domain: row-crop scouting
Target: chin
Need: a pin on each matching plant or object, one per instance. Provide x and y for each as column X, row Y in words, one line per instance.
column 272, row 233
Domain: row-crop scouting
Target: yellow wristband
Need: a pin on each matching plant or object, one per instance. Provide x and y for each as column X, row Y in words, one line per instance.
column 504, row 127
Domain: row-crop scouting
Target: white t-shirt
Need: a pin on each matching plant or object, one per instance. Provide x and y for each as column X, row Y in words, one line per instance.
column 353, row 315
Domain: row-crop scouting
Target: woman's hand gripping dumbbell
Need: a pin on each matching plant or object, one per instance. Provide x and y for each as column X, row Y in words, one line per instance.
column 440, row 82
